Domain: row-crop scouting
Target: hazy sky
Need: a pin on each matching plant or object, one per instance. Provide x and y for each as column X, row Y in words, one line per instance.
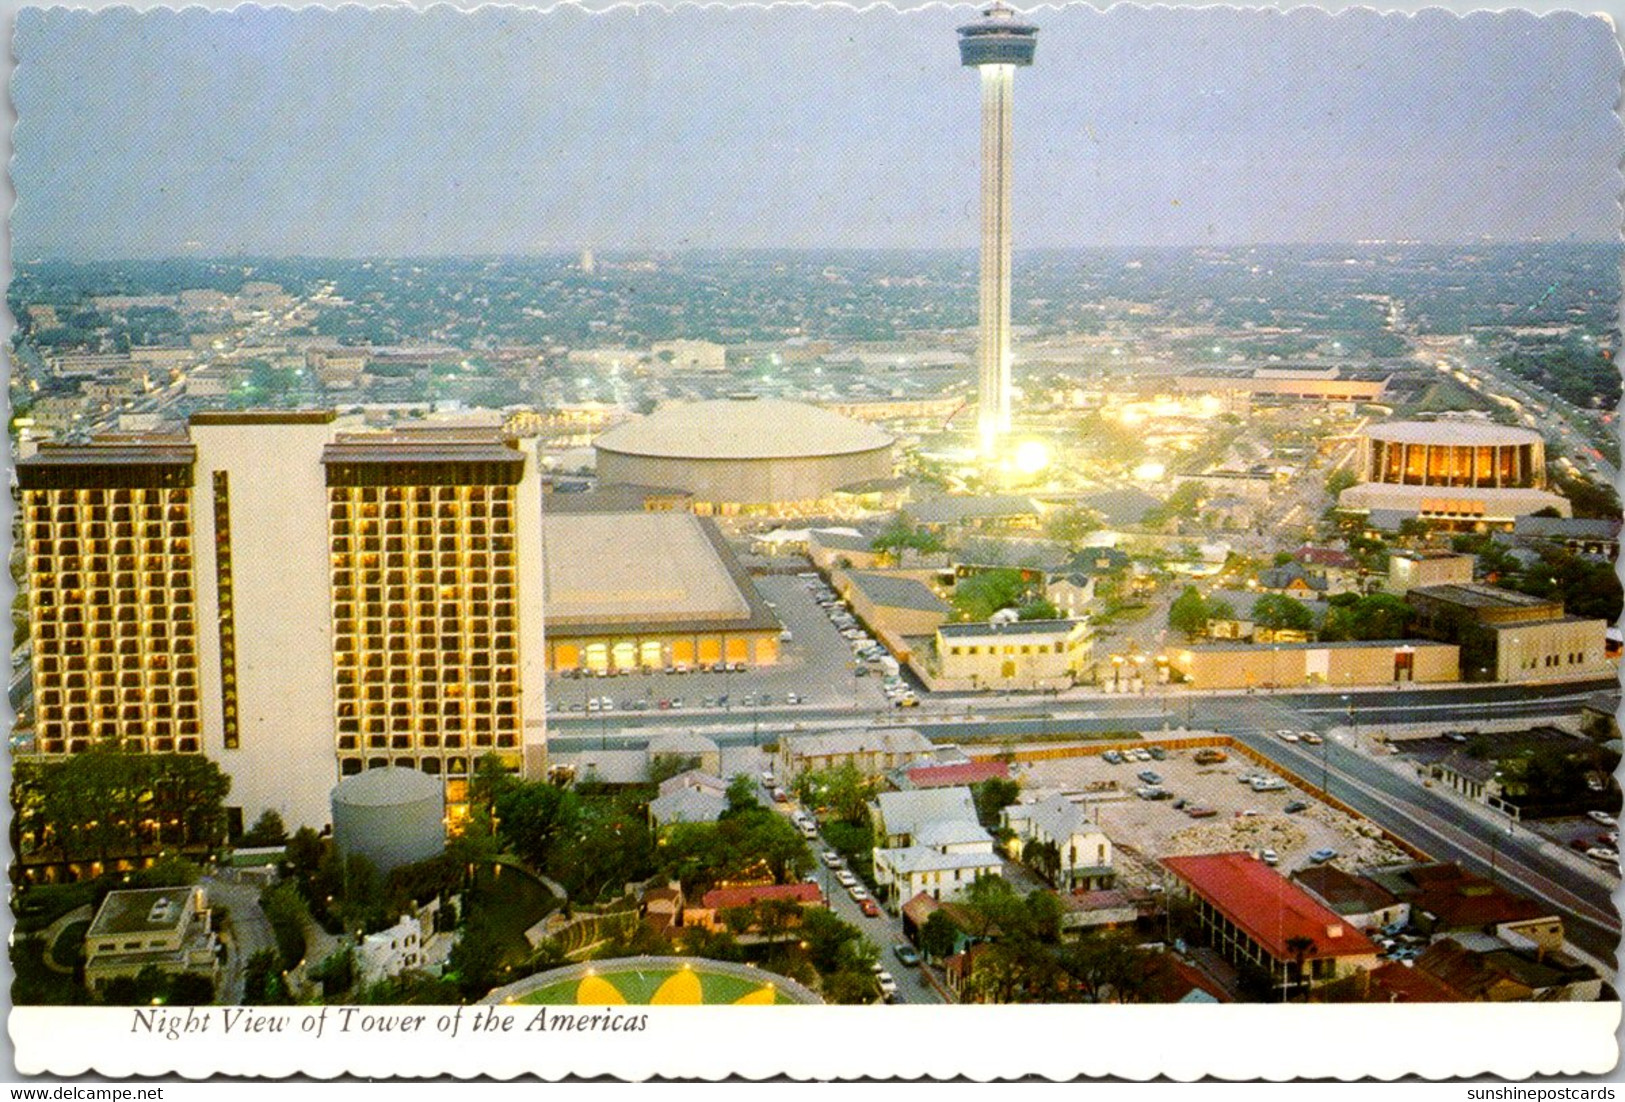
column 502, row 130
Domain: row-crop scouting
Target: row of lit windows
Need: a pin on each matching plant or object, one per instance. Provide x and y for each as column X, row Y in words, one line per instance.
column 1011, row 648
column 123, row 535
column 392, row 494
column 81, row 738
column 97, row 496
column 106, row 695
column 122, row 582
column 434, row 766
column 428, row 740
column 52, row 559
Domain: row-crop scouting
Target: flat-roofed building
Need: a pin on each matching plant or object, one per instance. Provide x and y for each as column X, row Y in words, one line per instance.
column 162, row 928
column 893, row 604
column 639, row 590
column 1253, row 915
column 1265, row 665
column 872, row 751
column 1408, row 570
column 1505, row 635
column 1025, row 654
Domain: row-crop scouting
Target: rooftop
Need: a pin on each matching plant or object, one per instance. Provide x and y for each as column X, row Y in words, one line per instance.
column 742, row 427
column 1020, row 627
column 718, row 899
column 141, row 911
column 890, row 591
column 1474, row 595
column 1451, row 432
column 1271, row 909
column 900, row 740
column 943, row 776
column 612, row 571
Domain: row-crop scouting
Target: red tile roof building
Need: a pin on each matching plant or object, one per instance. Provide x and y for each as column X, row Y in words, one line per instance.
column 715, row 902
column 970, row 772
column 1254, row 915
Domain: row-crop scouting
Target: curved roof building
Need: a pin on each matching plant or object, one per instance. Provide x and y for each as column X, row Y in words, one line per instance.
column 1452, row 453
column 1462, row 474
column 745, row 453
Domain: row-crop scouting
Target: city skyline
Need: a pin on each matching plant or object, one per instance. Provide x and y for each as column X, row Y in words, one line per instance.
column 1143, row 128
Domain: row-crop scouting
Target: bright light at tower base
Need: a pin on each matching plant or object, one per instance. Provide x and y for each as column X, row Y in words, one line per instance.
column 1031, row 456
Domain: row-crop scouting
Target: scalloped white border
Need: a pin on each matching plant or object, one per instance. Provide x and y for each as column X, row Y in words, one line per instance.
column 1136, row 1043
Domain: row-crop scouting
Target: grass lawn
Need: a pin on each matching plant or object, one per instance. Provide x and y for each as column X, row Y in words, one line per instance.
column 514, row 901
column 639, row 988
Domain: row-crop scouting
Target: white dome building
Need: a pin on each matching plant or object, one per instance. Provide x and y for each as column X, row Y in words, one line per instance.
column 744, row 453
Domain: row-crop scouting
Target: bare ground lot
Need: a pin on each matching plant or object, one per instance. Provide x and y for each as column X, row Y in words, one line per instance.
column 1154, row 828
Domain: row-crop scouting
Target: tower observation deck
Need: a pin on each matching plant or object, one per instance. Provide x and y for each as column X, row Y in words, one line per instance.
column 996, row 44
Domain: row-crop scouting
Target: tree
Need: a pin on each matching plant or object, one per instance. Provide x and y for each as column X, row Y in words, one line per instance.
column 533, row 815
column 939, row 936
column 1376, row 616
column 266, row 831
column 1189, row 613
column 981, row 595
column 1037, row 608
column 992, row 796
column 902, row 535
column 741, row 794
column 844, row 790
column 1278, row 612
column 1072, row 526
column 1340, row 480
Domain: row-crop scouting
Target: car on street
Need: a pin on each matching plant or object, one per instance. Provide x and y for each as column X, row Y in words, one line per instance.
column 1287, row 736
column 1295, row 806
column 1111, row 757
column 792, row 698
column 1311, row 738
column 1602, row 817
column 858, row 893
column 1158, row 753
column 906, row 953
column 1270, row 857
column 870, row 908
column 888, row 985
column 845, row 878
column 780, row 796
column 830, row 858
column 1149, row 776
column 1321, row 856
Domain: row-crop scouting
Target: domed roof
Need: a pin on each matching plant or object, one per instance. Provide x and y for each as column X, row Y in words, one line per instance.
column 742, row 427
column 1483, row 433
column 387, row 787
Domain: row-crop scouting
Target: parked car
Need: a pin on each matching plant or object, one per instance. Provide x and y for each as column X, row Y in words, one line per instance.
column 845, row 878
column 1158, row 753
column 1311, row 738
column 780, row 796
column 830, row 858
column 1602, row 817
column 1321, row 856
column 1287, row 736
column 858, row 893
column 870, row 908
column 1149, row 776
column 1295, row 806
column 1112, row 757
column 1270, row 857
column 1196, row 812
column 906, row 953
column 888, row 985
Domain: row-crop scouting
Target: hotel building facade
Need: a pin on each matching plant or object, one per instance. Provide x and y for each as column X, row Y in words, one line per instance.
column 297, row 602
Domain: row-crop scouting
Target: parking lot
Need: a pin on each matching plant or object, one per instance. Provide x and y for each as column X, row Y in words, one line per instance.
column 1242, row 817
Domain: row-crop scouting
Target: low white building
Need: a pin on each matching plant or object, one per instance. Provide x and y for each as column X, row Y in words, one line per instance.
column 1083, row 858
column 411, row 945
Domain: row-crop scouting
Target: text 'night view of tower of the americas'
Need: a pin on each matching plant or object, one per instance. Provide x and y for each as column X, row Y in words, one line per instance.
column 996, row 44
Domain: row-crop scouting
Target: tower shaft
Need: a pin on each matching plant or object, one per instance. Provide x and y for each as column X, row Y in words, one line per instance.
column 993, row 350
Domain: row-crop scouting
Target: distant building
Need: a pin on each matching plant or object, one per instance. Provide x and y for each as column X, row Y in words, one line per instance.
column 162, row 928
column 1278, row 665
column 1409, row 570
column 1462, row 475
column 1595, row 537
column 898, row 816
column 872, row 751
column 713, row 907
column 1299, row 384
column 893, row 604
column 746, row 454
column 691, row 355
column 1509, row 636
column 1364, row 903
column 1508, row 974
